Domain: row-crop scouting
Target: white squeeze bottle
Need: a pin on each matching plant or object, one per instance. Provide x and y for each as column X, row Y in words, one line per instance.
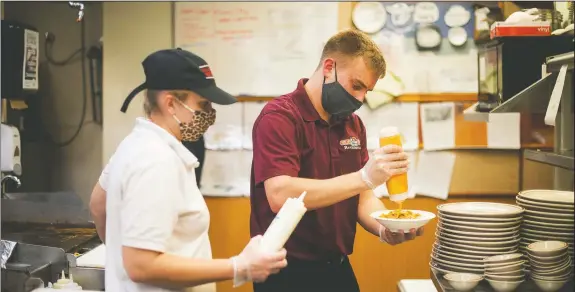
column 284, row 224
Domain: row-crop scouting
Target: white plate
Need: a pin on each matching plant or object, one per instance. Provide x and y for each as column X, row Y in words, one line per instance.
column 545, row 224
column 441, row 269
column 481, row 244
column 369, row 17
column 529, row 231
column 484, row 253
column 493, row 225
column 449, row 263
column 479, row 239
column 456, row 227
column 532, row 207
column 537, row 203
column 452, row 264
column 549, row 196
column 472, row 245
column 529, row 212
column 457, row 258
column 547, row 228
column 569, row 221
column 477, row 219
column 395, row 225
column 463, row 255
column 481, row 209
column 477, row 234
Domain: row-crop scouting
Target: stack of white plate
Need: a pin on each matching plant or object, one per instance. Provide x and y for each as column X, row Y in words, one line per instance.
column 548, row 216
column 469, row 232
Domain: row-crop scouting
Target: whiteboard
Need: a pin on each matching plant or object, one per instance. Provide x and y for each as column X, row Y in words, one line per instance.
column 256, row 48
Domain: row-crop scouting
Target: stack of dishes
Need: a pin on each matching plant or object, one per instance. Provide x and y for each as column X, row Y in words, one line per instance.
column 548, row 216
column 505, row 272
column 551, row 267
column 469, row 232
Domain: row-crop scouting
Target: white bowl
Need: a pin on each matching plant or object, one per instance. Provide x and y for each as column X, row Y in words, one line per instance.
column 511, row 267
column 503, row 258
column 546, row 248
column 394, row 225
column 496, row 277
column 504, row 286
column 548, row 285
column 463, row 281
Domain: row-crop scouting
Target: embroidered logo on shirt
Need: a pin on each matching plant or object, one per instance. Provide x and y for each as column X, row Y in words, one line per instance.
column 350, row 144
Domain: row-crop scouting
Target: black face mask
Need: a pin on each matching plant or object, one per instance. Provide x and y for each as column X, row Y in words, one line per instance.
column 336, row 100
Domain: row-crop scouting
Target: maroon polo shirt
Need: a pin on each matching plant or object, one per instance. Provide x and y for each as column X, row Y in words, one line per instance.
column 290, row 138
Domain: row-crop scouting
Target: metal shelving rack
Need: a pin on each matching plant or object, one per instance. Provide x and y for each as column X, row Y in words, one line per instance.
column 535, row 99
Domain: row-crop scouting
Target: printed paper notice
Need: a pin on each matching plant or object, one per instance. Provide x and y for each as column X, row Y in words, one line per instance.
column 433, row 174
column 404, row 116
column 31, row 50
column 438, row 125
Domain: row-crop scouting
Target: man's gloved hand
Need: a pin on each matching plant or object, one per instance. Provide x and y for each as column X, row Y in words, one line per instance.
column 393, row 238
column 252, row 264
column 386, row 162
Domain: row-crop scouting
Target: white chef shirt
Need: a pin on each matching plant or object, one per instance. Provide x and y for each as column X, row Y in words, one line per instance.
column 153, row 203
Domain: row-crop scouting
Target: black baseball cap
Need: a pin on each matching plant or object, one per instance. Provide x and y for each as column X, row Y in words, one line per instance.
column 177, row 69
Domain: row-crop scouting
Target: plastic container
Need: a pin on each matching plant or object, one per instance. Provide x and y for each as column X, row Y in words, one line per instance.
column 397, row 186
column 284, row 224
column 66, row 284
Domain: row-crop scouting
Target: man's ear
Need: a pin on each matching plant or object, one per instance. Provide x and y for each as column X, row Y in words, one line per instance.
column 328, row 67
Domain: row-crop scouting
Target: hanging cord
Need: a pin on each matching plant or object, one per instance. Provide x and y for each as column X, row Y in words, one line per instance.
column 81, row 51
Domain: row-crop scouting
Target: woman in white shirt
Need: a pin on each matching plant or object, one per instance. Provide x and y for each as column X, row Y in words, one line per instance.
column 147, row 206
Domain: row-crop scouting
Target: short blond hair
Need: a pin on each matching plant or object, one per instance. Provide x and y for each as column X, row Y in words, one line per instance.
column 151, row 101
column 354, row 43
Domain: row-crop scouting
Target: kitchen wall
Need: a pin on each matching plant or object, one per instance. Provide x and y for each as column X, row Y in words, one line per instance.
column 132, row 30
column 75, row 167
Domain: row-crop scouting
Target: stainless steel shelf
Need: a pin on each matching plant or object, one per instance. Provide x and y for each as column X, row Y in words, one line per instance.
column 533, row 99
column 563, row 160
column 555, row 63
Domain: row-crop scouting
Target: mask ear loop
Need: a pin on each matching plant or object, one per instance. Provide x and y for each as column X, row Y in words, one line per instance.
column 335, row 70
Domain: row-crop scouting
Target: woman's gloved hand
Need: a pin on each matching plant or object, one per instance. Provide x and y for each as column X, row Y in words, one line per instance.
column 252, row 264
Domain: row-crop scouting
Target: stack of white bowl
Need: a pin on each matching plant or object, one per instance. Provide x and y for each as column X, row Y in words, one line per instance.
column 468, row 232
column 505, row 272
column 551, row 268
column 548, row 216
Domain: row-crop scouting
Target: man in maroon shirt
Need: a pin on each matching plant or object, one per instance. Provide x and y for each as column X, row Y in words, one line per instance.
column 310, row 140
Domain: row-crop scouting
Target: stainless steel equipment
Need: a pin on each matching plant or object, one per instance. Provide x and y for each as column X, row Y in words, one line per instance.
column 32, row 266
column 48, row 228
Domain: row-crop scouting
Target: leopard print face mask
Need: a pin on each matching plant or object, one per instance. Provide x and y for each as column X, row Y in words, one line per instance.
column 192, row 131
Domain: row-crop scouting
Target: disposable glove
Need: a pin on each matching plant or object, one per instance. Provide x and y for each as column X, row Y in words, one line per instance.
column 252, row 264
column 386, row 162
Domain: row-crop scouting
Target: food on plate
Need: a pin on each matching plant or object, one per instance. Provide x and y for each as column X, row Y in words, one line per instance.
column 400, row 214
